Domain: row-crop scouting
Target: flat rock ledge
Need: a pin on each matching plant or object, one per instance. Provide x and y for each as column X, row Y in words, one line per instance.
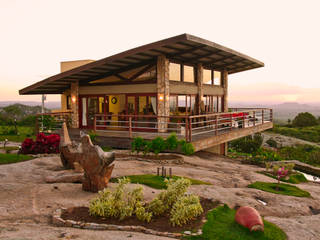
column 58, row 221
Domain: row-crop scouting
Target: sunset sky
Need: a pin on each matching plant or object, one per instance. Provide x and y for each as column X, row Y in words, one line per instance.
column 37, row 35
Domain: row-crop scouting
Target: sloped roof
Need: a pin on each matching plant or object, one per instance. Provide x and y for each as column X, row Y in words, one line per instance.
column 185, row 48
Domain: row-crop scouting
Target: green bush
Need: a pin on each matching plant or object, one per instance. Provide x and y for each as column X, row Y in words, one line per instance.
column 93, row 135
column 248, row 144
column 185, row 209
column 158, row 145
column 172, row 142
column 137, row 145
column 188, row 149
column 272, row 143
column 122, row 203
column 304, row 120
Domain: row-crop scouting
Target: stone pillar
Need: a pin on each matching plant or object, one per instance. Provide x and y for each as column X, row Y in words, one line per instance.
column 75, row 105
column 163, row 91
column 224, row 82
column 200, row 87
column 224, row 79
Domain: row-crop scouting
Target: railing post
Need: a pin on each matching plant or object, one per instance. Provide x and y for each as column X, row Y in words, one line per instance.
column 271, row 115
column 230, row 121
column 262, row 116
column 186, row 129
column 190, row 129
column 254, row 118
column 130, row 127
column 95, row 123
column 216, row 125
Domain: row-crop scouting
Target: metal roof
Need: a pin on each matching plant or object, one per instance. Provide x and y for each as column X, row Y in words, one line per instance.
column 185, row 49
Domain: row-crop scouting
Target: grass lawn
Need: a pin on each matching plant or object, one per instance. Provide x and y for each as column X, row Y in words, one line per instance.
column 221, row 225
column 24, row 132
column 284, row 189
column 155, row 181
column 294, row 178
column 9, row 148
column 6, row 158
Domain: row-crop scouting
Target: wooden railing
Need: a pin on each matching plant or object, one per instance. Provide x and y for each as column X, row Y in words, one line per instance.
column 187, row 126
column 49, row 122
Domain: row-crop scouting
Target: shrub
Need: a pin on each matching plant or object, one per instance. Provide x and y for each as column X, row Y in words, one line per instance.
column 248, row 144
column 122, row 203
column 158, row 145
column 272, row 143
column 43, row 144
column 138, row 144
column 185, row 209
column 172, row 142
column 304, row 120
column 188, row 148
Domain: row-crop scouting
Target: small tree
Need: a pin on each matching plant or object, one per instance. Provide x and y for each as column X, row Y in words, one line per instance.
column 281, row 173
column 304, row 120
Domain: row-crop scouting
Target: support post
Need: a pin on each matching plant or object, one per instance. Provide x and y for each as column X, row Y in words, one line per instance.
column 199, row 80
column 95, row 123
column 163, row 92
column 130, row 127
column 254, row 118
column 262, row 116
column 216, row 125
column 75, row 104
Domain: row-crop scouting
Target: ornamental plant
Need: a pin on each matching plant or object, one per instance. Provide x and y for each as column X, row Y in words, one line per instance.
column 43, row 144
column 122, row 203
column 281, row 173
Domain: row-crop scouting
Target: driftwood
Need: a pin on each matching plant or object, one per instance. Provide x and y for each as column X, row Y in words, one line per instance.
column 95, row 162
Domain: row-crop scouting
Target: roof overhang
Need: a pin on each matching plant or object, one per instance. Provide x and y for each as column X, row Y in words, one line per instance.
column 185, row 48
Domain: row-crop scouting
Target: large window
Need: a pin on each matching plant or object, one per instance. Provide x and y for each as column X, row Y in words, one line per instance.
column 216, row 78
column 182, row 104
column 188, row 74
column 212, row 104
column 211, row 77
column 207, row 76
column 174, row 72
column 181, row 73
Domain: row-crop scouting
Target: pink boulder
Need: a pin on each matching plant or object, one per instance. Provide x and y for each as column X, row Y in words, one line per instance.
column 249, row 218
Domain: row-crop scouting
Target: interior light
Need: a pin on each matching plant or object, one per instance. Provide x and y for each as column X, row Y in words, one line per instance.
column 161, row 97
column 74, row 99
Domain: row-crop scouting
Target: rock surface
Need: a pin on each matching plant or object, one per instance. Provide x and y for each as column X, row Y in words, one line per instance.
column 27, row 201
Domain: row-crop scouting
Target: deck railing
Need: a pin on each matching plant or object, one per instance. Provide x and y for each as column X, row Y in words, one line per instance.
column 187, row 126
column 49, row 122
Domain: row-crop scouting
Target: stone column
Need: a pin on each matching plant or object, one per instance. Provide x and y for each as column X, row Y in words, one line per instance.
column 75, row 105
column 224, row 79
column 163, row 91
column 200, row 87
column 224, row 83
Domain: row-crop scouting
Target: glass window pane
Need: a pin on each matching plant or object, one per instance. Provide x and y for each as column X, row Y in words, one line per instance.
column 220, row 107
column 142, row 105
column 182, row 103
column 174, row 72
column 207, row 76
column 101, row 105
column 188, row 74
column 217, row 78
column 193, row 102
column 215, row 104
column 131, row 105
column 173, row 104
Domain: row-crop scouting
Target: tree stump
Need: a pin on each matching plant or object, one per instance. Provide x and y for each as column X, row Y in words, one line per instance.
column 96, row 165
column 95, row 162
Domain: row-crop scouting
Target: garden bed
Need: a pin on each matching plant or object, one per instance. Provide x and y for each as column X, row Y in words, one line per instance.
column 158, row 223
column 294, row 178
column 155, row 181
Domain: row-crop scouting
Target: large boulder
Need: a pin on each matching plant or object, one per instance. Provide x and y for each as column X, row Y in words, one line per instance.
column 249, row 218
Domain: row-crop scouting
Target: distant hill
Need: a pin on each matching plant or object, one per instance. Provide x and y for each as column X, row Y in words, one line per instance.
column 20, row 111
column 284, row 111
column 49, row 105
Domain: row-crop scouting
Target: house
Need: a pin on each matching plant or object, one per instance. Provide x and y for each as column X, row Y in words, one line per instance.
column 179, row 84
